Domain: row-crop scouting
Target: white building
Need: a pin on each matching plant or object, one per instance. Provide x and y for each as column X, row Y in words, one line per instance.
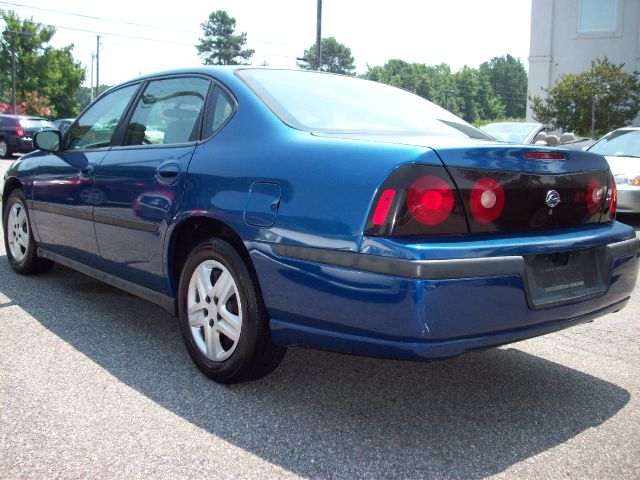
column 566, row 35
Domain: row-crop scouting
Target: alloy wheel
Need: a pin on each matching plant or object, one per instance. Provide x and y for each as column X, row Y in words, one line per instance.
column 18, row 232
column 214, row 310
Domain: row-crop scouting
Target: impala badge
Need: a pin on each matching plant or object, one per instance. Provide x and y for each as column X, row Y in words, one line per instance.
column 553, row 198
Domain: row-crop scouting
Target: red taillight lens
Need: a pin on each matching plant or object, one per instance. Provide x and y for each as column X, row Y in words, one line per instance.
column 430, row 200
column 417, row 200
column 486, row 200
column 612, row 198
column 20, row 131
column 544, row 156
column 595, row 196
column 383, row 206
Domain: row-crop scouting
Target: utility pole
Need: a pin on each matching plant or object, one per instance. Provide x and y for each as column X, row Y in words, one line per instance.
column 91, row 82
column 318, row 36
column 593, row 115
column 97, row 65
column 13, row 34
column 447, row 92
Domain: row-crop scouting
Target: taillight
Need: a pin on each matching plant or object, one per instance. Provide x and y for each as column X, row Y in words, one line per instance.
column 486, row 200
column 20, row 131
column 430, row 200
column 383, row 206
column 595, row 196
column 417, row 200
column 610, row 202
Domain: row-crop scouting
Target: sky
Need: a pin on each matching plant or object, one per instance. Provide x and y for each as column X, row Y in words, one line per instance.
column 139, row 37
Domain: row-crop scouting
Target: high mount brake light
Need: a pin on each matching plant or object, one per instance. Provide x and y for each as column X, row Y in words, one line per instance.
column 544, row 156
column 430, row 200
column 486, row 200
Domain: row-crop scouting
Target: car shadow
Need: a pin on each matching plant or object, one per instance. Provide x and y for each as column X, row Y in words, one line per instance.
column 330, row 415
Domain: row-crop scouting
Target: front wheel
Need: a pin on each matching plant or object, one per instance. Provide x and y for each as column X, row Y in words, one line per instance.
column 19, row 243
column 223, row 320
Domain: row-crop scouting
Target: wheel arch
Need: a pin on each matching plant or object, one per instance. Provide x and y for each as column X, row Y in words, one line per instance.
column 10, row 185
column 192, row 231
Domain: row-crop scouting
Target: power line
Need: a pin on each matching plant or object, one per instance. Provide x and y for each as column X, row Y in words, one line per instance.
column 148, row 39
column 124, row 22
column 93, row 17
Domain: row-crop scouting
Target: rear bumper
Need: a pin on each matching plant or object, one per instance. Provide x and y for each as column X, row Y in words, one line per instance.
column 22, row 145
column 628, row 199
column 292, row 334
column 407, row 308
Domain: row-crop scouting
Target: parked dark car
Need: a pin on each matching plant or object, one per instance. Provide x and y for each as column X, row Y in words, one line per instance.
column 270, row 208
column 16, row 133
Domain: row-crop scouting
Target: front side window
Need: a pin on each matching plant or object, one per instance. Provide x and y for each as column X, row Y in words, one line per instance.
column 96, row 126
column 597, row 16
column 168, row 112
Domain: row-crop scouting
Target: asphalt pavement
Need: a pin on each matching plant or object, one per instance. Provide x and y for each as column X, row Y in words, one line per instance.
column 95, row 383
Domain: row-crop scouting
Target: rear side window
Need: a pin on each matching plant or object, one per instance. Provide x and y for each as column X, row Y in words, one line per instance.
column 96, row 126
column 168, row 112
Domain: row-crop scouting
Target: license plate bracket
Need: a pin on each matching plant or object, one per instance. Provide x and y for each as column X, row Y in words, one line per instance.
column 563, row 277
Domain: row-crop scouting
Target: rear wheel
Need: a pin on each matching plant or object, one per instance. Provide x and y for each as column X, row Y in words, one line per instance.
column 4, row 149
column 223, row 320
column 19, row 243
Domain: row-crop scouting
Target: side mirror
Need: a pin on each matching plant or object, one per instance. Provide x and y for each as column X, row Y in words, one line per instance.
column 48, row 140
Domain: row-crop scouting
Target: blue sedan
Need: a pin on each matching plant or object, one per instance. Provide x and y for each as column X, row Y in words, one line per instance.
column 269, row 208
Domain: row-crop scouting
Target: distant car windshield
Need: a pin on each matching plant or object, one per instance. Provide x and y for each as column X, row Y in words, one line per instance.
column 620, row 143
column 338, row 104
column 36, row 123
column 510, row 132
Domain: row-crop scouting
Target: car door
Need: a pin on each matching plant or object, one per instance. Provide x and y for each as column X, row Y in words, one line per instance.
column 64, row 192
column 144, row 178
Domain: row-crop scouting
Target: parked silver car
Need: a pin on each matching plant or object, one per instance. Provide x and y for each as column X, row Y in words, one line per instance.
column 621, row 148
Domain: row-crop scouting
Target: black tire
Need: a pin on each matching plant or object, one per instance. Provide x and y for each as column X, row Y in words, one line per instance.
column 254, row 354
column 30, row 263
column 5, row 151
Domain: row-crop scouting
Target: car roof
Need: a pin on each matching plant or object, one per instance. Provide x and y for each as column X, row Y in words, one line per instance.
column 21, row 117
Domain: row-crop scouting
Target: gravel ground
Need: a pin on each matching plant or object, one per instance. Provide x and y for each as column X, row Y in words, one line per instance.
column 95, row 383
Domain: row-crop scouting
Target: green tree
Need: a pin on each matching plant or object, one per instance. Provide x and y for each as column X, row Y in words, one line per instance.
column 466, row 93
column 41, row 70
column 508, row 79
column 220, row 45
column 83, row 96
column 335, row 57
column 434, row 83
column 606, row 95
column 474, row 96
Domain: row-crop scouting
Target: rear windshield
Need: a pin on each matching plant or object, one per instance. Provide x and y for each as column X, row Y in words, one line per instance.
column 620, row 143
column 510, row 132
column 339, row 104
column 36, row 123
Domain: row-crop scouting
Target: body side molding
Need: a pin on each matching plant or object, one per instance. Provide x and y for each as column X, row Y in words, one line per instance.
column 166, row 302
